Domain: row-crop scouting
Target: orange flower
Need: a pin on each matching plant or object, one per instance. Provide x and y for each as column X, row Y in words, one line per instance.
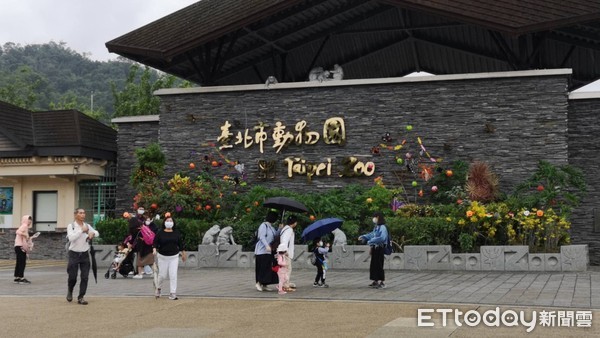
column 469, row 213
column 540, row 213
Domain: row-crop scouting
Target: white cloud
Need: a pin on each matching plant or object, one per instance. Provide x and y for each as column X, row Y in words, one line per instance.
column 84, row 25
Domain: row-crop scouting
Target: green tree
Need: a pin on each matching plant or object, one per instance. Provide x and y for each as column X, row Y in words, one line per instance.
column 137, row 97
column 71, row 101
column 21, row 87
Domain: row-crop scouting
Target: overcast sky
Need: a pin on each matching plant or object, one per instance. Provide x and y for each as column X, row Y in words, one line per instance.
column 84, row 25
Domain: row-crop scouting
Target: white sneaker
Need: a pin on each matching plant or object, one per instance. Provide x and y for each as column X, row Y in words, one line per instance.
column 259, row 287
column 172, row 296
column 138, row 276
column 266, row 288
column 147, row 270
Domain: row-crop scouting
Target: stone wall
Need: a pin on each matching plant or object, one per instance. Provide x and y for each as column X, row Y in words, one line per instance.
column 49, row 245
column 133, row 134
column 584, row 153
column 510, row 123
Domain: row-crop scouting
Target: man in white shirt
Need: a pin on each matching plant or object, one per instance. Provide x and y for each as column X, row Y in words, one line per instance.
column 287, row 238
column 79, row 235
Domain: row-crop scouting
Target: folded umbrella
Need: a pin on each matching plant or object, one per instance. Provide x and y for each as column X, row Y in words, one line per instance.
column 320, row 228
column 94, row 265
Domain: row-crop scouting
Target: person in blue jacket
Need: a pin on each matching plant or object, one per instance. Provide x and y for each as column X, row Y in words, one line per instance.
column 377, row 239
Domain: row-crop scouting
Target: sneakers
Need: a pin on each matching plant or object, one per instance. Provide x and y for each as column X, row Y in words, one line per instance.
column 259, row 287
column 157, row 293
column 82, row 301
column 16, row 281
column 266, row 288
column 315, row 284
column 138, row 276
column 324, row 285
column 381, row 286
column 374, row 284
column 24, row 281
column 172, row 296
column 69, row 296
column 281, row 292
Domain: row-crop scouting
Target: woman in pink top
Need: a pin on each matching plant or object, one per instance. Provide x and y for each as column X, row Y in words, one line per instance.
column 21, row 248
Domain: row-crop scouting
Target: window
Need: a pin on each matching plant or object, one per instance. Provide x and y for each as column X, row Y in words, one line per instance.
column 45, row 210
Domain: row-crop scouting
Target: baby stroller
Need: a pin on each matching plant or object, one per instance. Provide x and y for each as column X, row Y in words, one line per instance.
column 122, row 263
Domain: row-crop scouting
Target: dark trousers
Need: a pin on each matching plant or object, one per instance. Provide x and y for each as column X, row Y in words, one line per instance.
column 78, row 261
column 376, row 268
column 319, row 272
column 264, row 273
column 21, row 262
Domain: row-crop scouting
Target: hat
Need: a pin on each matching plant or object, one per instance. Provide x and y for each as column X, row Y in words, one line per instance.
column 281, row 248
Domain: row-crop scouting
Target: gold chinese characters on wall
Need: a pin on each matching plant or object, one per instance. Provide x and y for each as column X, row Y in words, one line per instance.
column 333, row 133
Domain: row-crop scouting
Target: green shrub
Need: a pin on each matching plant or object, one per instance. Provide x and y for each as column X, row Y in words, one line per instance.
column 112, row 231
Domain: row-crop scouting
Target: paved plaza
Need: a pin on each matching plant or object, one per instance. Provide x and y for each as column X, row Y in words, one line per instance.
column 223, row 302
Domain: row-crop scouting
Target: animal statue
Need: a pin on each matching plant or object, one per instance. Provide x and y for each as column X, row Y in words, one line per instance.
column 339, row 239
column 318, row 74
column 270, row 80
column 211, row 235
column 226, row 236
column 337, row 73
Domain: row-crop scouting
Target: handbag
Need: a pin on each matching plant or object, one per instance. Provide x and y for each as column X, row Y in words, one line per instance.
column 275, row 268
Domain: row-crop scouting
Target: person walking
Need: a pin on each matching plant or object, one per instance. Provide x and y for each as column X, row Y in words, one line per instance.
column 79, row 234
column 168, row 244
column 21, row 249
column 137, row 243
column 320, row 253
column 283, row 261
column 377, row 239
column 288, row 237
column 264, row 254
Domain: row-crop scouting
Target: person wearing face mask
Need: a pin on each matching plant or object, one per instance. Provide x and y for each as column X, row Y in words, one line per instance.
column 21, row 244
column 377, row 239
column 147, row 220
column 168, row 244
column 320, row 252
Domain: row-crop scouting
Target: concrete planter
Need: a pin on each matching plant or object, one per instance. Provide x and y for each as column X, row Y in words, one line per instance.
column 414, row 257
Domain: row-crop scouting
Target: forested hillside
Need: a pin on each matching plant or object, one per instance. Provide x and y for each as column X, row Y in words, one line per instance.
column 53, row 76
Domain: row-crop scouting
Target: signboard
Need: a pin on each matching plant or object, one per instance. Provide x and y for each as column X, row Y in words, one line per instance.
column 6, row 207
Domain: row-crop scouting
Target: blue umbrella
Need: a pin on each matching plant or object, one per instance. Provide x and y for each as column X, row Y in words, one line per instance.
column 320, row 228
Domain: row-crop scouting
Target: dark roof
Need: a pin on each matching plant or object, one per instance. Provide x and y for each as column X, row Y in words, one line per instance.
column 56, row 133
column 15, row 124
column 221, row 42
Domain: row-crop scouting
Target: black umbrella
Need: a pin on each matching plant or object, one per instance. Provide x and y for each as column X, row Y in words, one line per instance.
column 94, row 265
column 284, row 204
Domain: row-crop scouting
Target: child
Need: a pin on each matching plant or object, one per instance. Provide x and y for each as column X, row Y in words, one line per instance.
column 283, row 260
column 321, row 262
column 121, row 252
